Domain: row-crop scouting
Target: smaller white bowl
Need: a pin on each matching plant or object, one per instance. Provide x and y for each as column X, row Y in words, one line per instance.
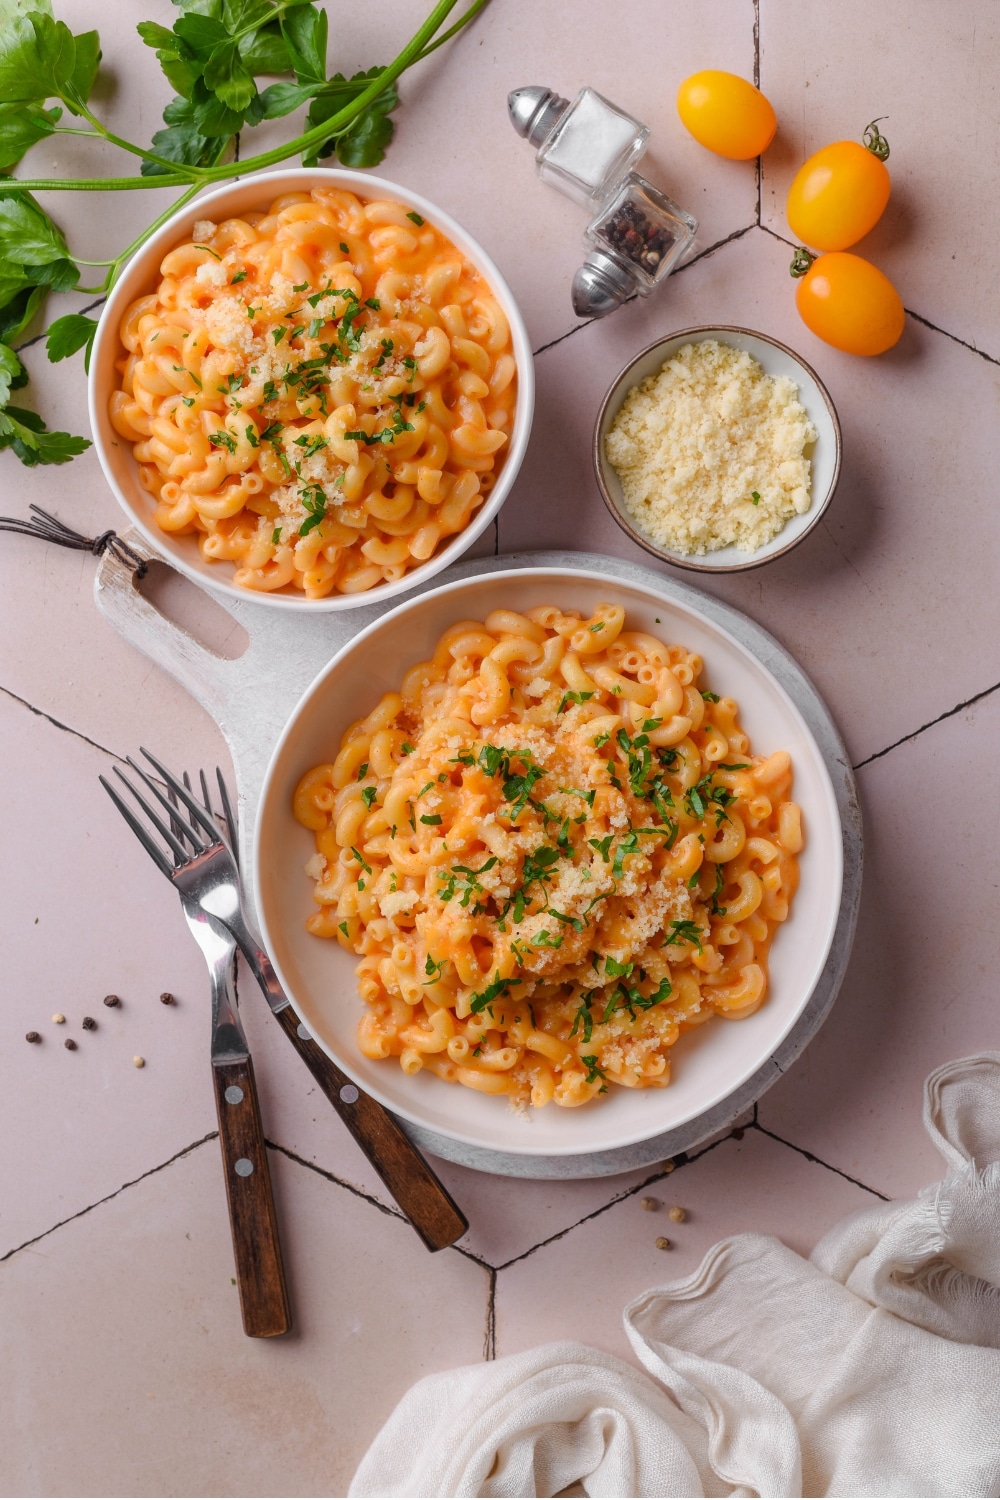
column 775, row 359
column 115, row 453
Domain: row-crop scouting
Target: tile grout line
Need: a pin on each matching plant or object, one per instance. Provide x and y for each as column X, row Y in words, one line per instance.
column 186, row 1151
column 389, row 1210
column 30, row 343
column 682, row 1159
column 756, row 80
column 58, row 724
column 737, row 234
column 991, row 359
column 490, row 1340
column 950, row 713
column 819, row 1162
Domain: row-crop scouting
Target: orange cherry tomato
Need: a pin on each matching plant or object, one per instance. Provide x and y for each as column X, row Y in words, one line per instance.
column 847, row 302
column 726, row 113
column 840, row 193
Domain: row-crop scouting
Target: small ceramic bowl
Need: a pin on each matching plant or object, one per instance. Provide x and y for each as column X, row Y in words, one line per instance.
column 140, row 277
column 825, row 454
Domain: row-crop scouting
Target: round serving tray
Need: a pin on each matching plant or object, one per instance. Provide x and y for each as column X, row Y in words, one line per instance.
column 252, row 698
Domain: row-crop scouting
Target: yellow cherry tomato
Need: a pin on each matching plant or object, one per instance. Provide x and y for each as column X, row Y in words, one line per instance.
column 840, row 193
column 847, row 302
column 726, row 113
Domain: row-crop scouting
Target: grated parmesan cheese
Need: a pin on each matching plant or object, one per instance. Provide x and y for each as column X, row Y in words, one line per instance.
column 695, row 442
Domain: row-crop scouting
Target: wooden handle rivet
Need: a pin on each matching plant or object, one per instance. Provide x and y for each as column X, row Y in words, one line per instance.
column 244, row 1167
column 303, row 1033
column 349, row 1094
column 234, row 1095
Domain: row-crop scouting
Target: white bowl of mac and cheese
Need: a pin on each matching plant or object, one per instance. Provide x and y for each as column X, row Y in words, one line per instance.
column 522, row 837
column 311, row 388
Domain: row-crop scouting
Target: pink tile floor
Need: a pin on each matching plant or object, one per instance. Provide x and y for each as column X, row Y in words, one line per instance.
column 123, row 1368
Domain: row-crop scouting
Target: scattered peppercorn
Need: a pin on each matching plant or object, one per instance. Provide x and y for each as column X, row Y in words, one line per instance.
column 167, row 998
column 112, row 1000
column 662, row 1243
column 738, row 1133
column 677, row 1214
column 89, row 1024
column 59, row 1018
column 138, row 1062
column 668, row 1166
column 649, row 1204
column 69, row 1044
column 32, row 1036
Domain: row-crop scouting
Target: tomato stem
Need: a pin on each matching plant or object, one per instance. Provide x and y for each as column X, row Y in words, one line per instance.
column 875, row 140
column 801, row 261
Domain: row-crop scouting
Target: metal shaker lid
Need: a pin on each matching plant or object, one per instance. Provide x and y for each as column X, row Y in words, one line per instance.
column 534, row 112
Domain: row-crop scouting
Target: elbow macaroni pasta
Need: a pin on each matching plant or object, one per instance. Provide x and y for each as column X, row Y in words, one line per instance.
column 320, row 392
column 553, row 853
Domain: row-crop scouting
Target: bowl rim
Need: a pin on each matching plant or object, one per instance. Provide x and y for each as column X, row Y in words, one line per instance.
column 365, row 185
column 646, row 543
column 346, row 1061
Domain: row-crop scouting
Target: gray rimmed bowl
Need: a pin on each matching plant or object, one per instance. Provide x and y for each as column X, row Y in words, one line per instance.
column 825, row 454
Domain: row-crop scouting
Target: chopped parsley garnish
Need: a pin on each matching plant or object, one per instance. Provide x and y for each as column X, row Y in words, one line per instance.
column 223, row 439
column 406, row 749
column 240, row 276
column 616, row 970
column 373, row 303
column 368, row 795
column 386, row 346
column 462, row 881
column 275, row 536
column 602, row 739
column 278, row 334
column 209, row 249
column 602, row 846
column 583, row 1021
column 416, row 219
column 409, row 365
column 361, row 860
column 547, row 940
column 252, row 437
column 344, row 249
column 571, row 791
column 314, row 502
column 484, row 999
column 568, row 698
column 271, row 431
column 303, row 286
column 710, row 697
column 517, row 789
column 595, row 628
column 720, row 880
column 593, row 1071
column 435, row 968
column 188, row 400
column 343, row 928
column 362, row 771
column 432, row 818
column 684, row 932
column 754, row 498
column 310, row 445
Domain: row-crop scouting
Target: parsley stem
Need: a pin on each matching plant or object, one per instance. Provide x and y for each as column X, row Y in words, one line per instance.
column 420, row 45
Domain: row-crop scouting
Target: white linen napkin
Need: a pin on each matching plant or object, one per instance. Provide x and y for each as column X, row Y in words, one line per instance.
column 870, row 1369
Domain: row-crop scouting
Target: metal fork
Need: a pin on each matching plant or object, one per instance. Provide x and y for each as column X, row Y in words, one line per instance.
column 209, row 878
column 260, row 1275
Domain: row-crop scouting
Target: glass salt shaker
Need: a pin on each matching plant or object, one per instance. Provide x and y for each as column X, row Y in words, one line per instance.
column 587, row 150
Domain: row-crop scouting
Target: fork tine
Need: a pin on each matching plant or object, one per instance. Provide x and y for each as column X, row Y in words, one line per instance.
column 142, row 834
column 230, row 816
column 205, row 796
column 181, row 855
column 182, row 792
column 188, row 831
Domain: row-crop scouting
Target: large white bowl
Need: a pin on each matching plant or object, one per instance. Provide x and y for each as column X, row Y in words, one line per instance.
column 139, row 278
column 709, row 1062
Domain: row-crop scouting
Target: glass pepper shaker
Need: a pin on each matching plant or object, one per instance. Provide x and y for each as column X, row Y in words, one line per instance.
column 587, row 150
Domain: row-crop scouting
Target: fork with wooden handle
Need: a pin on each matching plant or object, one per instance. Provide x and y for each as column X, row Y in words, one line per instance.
column 210, row 877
